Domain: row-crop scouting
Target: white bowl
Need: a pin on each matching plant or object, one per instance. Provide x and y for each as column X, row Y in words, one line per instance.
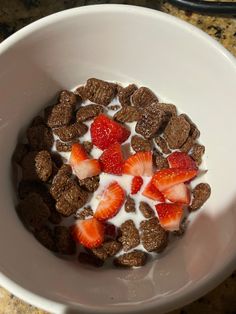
column 182, row 65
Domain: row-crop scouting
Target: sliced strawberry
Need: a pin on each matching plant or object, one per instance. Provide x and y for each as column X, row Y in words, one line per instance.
column 178, row 193
column 105, row 132
column 136, row 184
column 89, row 232
column 87, row 168
column 166, row 178
column 111, row 201
column 139, row 164
column 181, row 160
column 112, row 160
column 169, row 215
column 78, row 154
column 153, row 193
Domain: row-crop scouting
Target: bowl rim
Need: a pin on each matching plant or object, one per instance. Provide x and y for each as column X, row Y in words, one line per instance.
column 205, row 284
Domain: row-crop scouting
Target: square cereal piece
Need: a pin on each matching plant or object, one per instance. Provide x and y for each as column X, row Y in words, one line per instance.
column 33, row 211
column 99, row 92
column 176, row 132
column 130, row 205
column 68, row 98
column 59, row 115
column 90, row 184
column 61, row 182
column 170, row 109
column 63, row 147
column 40, row 137
column 127, row 114
column 84, row 213
column 143, row 97
column 140, row 144
column 70, row 132
column 64, row 241
column 88, row 112
column 201, row 193
column 89, row 259
column 153, row 236
column 160, row 161
column 197, row 153
column 46, row 238
column 135, row 258
column 160, row 141
column 125, row 93
column 146, row 210
column 129, row 235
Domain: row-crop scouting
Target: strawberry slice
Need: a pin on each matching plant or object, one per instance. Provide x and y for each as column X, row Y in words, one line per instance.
column 166, row 178
column 89, row 232
column 78, row 154
column 178, row 193
column 111, row 201
column 136, row 184
column 112, row 160
column 181, row 160
column 87, row 168
column 169, row 215
column 139, row 164
column 150, row 191
column 105, row 132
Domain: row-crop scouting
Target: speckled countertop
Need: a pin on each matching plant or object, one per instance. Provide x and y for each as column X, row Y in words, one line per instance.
column 14, row 14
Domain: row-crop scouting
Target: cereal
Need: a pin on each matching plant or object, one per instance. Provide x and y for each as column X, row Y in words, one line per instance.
column 160, row 161
column 61, row 182
column 84, row 213
column 143, row 97
column 33, row 211
column 67, row 97
column 127, row 114
column 201, row 193
column 43, row 165
column 160, row 141
column 20, row 152
column 80, row 91
column 135, row 258
column 151, row 121
column 70, row 132
column 176, row 132
column 130, row 205
column 99, row 91
column 40, row 137
column 55, row 217
column 63, row 147
column 70, row 200
column 89, row 259
column 100, row 253
column 27, row 187
column 46, row 238
column 112, row 247
column 153, row 236
column 130, row 235
column 88, row 146
column 168, row 108
column 138, row 144
column 28, row 167
column 88, row 112
column 64, row 242
column 146, row 210
column 125, row 93
column 59, row 115
column 90, row 184
column 197, row 153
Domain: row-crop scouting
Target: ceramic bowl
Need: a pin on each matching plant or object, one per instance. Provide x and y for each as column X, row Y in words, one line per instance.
column 182, row 65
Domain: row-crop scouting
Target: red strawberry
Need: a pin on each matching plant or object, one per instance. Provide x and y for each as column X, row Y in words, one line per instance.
column 136, row 184
column 139, row 164
column 105, row 132
column 111, row 201
column 112, row 160
column 153, row 193
column 169, row 215
column 181, row 160
column 89, row 232
column 78, row 154
column 166, row 178
column 87, row 168
column 178, row 193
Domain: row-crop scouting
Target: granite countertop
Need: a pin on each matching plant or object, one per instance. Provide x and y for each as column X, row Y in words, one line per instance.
column 14, row 14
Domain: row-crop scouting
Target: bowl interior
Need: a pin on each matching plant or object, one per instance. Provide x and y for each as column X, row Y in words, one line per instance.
column 182, row 66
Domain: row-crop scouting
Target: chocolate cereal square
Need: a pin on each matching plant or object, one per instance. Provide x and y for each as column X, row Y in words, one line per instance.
column 125, row 93
column 127, row 114
column 70, row 132
column 64, row 241
column 135, row 258
column 146, row 210
column 90, row 184
column 130, row 205
column 139, row 144
column 67, row 97
column 88, row 112
column 40, row 137
column 63, row 147
column 143, row 97
column 46, row 238
column 129, row 235
column 59, row 115
column 153, row 236
column 201, row 193
column 176, row 132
